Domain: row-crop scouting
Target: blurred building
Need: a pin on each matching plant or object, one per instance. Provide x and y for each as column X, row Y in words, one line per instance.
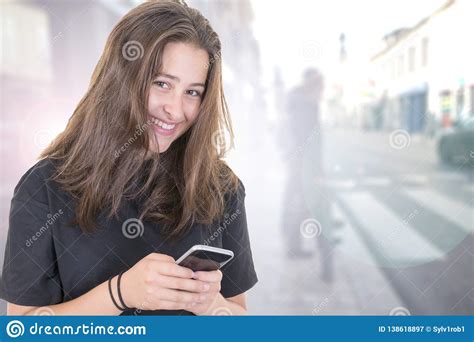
column 233, row 21
column 424, row 76
column 49, row 50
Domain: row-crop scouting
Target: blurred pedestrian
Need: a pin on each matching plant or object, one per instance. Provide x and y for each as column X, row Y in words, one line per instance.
column 300, row 127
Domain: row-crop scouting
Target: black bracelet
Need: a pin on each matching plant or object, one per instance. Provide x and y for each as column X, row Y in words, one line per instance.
column 112, row 295
column 120, row 292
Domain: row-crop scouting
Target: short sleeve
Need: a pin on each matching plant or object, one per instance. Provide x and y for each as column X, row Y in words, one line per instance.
column 30, row 275
column 239, row 274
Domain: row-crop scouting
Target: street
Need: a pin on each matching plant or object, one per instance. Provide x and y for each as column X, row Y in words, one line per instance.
column 402, row 239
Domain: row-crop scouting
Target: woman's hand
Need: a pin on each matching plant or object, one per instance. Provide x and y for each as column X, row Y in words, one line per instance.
column 207, row 306
column 156, row 282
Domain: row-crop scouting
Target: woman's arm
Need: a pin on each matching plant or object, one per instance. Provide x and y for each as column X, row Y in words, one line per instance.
column 156, row 282
column 95, row 302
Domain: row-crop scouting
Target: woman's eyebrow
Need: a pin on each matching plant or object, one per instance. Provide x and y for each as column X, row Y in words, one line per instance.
column 176, row 78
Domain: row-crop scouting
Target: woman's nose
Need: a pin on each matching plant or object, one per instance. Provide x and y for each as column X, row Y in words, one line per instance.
column 174, row 108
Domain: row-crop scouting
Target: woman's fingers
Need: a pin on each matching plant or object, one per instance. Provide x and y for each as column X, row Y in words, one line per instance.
column 209, row 276
column 174, row 270
column 189, row 285
column 180, row 296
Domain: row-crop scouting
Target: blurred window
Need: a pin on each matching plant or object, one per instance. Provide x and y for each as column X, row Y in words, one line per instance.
column 401, row 62
column 25, row 43
column 411, row 58
column 424, row 51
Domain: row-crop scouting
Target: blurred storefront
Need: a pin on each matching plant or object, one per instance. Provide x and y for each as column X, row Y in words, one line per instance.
column 426, row 71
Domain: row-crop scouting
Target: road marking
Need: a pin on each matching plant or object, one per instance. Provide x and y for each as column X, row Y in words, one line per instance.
column 414, row 179
column 351, row 243
column 397, row 241
column 339, row 184
column 376, row 181
column 449, row 176
column 460, row 213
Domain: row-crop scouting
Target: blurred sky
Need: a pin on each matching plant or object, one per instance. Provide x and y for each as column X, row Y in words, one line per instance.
column 319, row 23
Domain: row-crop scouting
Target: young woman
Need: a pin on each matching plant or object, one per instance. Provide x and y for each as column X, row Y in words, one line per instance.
column 134, row 181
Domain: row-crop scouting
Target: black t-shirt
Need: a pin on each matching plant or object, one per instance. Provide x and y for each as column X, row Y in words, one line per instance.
column 49, row 261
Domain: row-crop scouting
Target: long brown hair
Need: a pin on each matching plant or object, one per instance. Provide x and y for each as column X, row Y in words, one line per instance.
column 103, row 156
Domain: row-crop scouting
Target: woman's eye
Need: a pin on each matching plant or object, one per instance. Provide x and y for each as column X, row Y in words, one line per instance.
column 194, row 93
column 161, row 84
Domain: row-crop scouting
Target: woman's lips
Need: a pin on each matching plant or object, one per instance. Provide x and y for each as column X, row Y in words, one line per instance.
column 164, row 131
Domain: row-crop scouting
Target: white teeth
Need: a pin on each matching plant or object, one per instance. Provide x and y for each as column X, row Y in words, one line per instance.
column 162, row 124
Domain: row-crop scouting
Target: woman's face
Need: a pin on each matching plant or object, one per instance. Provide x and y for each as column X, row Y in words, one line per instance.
column 176, row 93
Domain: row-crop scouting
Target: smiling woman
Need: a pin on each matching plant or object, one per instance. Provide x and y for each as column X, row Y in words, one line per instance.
column 138, row 180
column 175, row 98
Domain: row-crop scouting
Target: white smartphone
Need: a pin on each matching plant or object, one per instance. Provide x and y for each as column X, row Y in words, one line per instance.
column 205, row 258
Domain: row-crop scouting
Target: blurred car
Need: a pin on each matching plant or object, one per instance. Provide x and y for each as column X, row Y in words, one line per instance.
column 456, row 144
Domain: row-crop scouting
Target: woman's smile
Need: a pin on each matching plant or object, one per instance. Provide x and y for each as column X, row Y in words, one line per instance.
column 163, row 127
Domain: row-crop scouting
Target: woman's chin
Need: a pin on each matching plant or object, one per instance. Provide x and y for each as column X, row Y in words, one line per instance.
column 164, row 147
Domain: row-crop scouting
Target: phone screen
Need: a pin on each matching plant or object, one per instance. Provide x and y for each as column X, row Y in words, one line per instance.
column 204, row 261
